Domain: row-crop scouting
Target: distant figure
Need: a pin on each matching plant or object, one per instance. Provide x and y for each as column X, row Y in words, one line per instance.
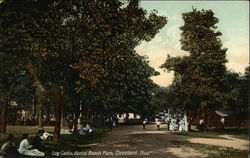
column 158, row 123
column 144, row 122
column 114, row 123
column 222, row 121
column 109, row 123
column 201, row 125
column 8, row 149
column 25, row 148
column 80, row 128
column 84, row 130
column 88, row 129
column 181, row 125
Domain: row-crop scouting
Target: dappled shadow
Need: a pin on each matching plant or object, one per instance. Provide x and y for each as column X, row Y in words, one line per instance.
column 149, row 143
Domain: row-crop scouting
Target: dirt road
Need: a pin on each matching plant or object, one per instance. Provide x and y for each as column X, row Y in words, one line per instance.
column 133, row 141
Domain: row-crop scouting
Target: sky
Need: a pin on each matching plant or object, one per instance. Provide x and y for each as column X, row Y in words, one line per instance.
column 233, row 23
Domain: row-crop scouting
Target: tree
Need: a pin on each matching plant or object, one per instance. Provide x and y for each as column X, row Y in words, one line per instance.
column 69, row 45
column 202, row 71
column 109, row 67
column 12, row 62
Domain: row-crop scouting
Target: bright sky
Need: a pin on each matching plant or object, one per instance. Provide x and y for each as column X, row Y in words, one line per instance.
column 233, row 23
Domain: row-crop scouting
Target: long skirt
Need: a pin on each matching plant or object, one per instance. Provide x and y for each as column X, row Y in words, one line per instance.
column 33, row 152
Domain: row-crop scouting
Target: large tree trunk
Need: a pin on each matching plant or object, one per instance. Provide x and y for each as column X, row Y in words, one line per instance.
column 40, row 92
column 4, row 118
column 58, row 115
column 191, row 116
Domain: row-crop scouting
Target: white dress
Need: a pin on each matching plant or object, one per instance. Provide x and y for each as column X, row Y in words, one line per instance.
column 88, row 128
column 81, row 129
column 24, row 148
column 181, row 125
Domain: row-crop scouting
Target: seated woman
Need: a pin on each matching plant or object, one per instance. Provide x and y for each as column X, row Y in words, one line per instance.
column 9, row 149
column 25, row 148
column 80, row 128
column 88, row 129
column 45, row 135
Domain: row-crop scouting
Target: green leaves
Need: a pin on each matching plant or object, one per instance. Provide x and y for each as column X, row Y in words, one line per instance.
column 202, row 70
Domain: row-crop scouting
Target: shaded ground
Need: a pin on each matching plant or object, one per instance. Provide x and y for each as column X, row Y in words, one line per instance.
column 133, row 141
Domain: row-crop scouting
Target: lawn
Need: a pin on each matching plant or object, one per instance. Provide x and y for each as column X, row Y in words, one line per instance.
column 215, row 133
column 212, row 151
column 67, row 143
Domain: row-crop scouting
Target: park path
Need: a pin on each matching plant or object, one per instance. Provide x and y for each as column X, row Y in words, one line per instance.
column 133, row 141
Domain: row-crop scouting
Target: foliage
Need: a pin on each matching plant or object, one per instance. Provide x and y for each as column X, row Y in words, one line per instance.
column 200, row 74
column 80, row 52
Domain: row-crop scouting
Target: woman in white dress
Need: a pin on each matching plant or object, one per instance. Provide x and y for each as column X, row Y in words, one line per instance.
column 181, row 125
column 25, row 148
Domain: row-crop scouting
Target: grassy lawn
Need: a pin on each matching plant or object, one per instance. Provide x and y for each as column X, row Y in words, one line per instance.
column 214, row 133
column 212, row 151
column 237, row 133
column 67, row 143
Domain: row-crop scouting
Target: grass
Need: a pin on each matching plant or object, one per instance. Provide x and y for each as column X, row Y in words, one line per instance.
column 68, row 142
column 215, row 133
column 212, row 151
column 236, row 133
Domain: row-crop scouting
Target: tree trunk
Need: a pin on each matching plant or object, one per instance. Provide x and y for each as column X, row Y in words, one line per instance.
column 40, row 115
column 190, row 118
column 205, row 124
column 58, row 116
column 77, row 115
column 39, row 93
column 4, row 117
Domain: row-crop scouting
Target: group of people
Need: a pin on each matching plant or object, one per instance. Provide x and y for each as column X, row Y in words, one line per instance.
column 157, row 121
column 9, row 149
column 84, row 128
column 177, row 124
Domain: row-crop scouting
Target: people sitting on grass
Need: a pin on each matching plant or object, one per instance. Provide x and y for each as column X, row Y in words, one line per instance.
column 26, row 149
column 84, row 130
column 88, row 129
column 8, row 149
column 37, row 141
column 45, row 135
